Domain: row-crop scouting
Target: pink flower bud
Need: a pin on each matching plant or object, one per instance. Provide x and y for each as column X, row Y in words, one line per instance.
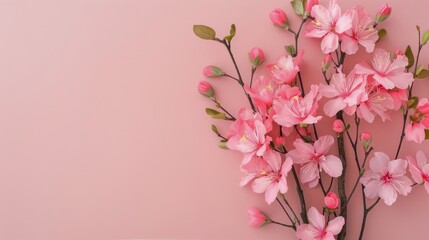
column 365, row 139
column 257, row 218
column 399, row 52
column 331, row 200
column 212, row 71
column 309, row 5
column 338, row 126
column 383, row 13
column 326, row 62
column 256, row 56
column 278, row 18
column 206, row 89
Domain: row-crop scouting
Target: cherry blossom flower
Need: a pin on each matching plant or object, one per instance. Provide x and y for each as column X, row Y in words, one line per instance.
column 248, row 135
column 271, row 181
column 419, row 121
column 327, row 24
column 317, row 229
column 390, row 73
column 297, row 110
column 347, row 93
column 362, row 32
column 286, row 68
column 379, row 102
column 314, row 159
column 419, row 169
column 386, row 178
column 263, row 93
column 257, row 218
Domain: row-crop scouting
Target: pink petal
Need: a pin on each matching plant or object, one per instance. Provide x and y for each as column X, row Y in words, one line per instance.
column 261, row 184
column 379, row 162
column 384, row 81
column 349, row 45
column 329, row 43
column 402, row 185
column 333, row 106
column 335, row 225
column 323, row 144
column 402, row 80
column 309, row 172
column 287, row 166
column 364, row 112
column 271, row 193
column 332, row 166
column 316, row 219
column 343, row 24
column 388, row 194
column 246, row 179
column 372, row 189
column 273, row 159
column 397, row 167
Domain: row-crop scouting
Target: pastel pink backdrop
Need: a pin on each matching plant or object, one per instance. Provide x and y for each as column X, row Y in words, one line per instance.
column 103, row 135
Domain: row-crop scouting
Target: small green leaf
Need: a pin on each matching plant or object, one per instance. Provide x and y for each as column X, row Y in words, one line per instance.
column 222, row 144
column 403, row 110
column 214, row 129
column 412, row 103
column 298, row 6
column 215, row 114
column 204, row 32
column 426, row 133
column 291, row 50
column 425, row 37
column 231, row 33
column 424, row 73
column 410, row 56
column 419, row 69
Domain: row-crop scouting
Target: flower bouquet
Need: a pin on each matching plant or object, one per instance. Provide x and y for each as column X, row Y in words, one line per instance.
column 277, row 131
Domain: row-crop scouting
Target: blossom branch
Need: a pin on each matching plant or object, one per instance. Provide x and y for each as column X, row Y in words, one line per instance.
column 287, row 213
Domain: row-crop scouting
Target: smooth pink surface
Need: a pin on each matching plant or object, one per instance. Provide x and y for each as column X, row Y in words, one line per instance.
column 104, row 135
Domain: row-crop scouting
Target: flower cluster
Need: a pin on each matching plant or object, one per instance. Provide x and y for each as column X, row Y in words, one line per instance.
column 277, row 132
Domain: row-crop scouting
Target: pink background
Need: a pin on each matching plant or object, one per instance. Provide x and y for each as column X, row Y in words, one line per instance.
column 103, row 135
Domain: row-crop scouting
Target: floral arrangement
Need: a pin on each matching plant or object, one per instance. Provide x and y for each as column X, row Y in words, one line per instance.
column 277, row 131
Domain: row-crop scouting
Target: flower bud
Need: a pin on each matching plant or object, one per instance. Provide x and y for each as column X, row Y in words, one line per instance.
column 338, row 126
column 257, row 218
column 383, row 13
column 365, row 139
column 256, row 57
column 278, row 18
column 331, row 201
column 280, row 141
column 206, row 89
column 326, row 63
column 212, row 71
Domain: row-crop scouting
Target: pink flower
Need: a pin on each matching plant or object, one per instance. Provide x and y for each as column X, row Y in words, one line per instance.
column 386, row 178
column 255, row 168
column 317, row 229
column 419, row 169
column 273, row 181
column 331, row 200
column 212, row 71
column 256, row 57
column 278, row 18
column 263, row 93
column 338, row 126
column 248, row 135
column 347, row 92
column 327, row 24
column 314, row 159
column 390, row 73
column 206, row 89
column 379, row 102
column 361, row 33
column 286, row 68
column 257, row 218
column 366, row 139
column 297, row 110
column 419, row 121
column 383, row 13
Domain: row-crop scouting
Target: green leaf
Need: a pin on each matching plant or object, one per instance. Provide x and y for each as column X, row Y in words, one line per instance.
column 204, row 32
column 222, row 144
column 291, row 50
column 410, row 56
column 425, row 37
column 424, row 73
column 412, row 103
column 215, row 114
column 231, row 33
column 298, row 7
column 214, row 129
column 381, row 33
column 426, row 133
